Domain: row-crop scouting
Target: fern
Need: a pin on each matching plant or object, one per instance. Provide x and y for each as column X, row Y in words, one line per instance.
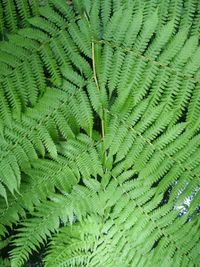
column 99, row 132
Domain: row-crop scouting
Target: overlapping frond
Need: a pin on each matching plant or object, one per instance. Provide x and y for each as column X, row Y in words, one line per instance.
column 99, row 132
column 42, row 47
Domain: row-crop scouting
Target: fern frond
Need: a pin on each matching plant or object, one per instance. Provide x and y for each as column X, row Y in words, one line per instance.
column 146, row 32
column 59, row 175
column 163, row 37
column 51, row 213
column 17, row 13
column 73, row 251
column 10, row 14
column 99, row 132
column 60, row 208
column 31, row 131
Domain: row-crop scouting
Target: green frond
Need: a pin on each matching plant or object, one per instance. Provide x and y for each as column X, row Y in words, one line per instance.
column 73, row 251
column 85, row 155
column 174, row 46
column 10, row 15
column 163, row 37
column 62, row 174
column 64, row 9
column 186, row 52
column 34, row 127
column 59, row 208
column 147, row 31
column 49, row 224
column 81, row 38
column 16, row 13
column 190, row 8
column 193, row 111
column 99, row 133
column 106, row 10
column 134, row 28
column 50, row 64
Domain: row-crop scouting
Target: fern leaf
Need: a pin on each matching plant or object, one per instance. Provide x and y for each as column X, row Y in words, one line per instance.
column 23, row 7
column 173, row 47
column 186, row 52
column 51, row 65
column 192, row 66
column 44, row 135
column 43, row 24
column 161, row 40
column 99, row 132
column 95, row 97
column 134, row 28
column 50, row 14
column 146, row 33
column 173, row 133
column 64, row 9
column 10, row 13
column 86, row 119
column 49, row 224
column 12, row 96
column 79, row 39
column 106, row 9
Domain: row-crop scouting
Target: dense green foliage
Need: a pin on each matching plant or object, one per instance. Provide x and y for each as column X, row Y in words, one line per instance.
column 100, row 132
